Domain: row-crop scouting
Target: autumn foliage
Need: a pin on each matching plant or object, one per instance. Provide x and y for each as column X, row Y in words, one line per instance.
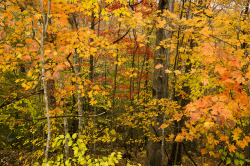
column 104, row 63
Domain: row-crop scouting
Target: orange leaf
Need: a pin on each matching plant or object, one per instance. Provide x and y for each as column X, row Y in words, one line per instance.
column 27, row 58
column 231, row 148
column 179, row 138
column 158, row 66
column 168, row 71
column 203, row 151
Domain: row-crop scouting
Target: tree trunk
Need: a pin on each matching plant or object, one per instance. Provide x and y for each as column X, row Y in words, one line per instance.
column 79, row 97
column 160, row 89
column 44, row 30
column 65, row 121
column 51, row 93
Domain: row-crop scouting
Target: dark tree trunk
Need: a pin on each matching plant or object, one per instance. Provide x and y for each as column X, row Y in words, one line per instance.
column 51, row 94
column 160, row 89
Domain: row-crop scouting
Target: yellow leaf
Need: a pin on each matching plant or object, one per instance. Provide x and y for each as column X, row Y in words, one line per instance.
column 90, row 94
column 96, row 87
column 163, row 126
column 19, row 55
column 236, row 133
column 109, row 103
column 92, row 102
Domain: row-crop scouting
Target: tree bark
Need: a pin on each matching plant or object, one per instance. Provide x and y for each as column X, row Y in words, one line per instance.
column 160, row 89
column 79, row 97
column 65, row 121
column 44, row 30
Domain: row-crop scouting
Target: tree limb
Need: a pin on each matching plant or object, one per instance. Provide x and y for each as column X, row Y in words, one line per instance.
column 18, row 98
column 121, row 37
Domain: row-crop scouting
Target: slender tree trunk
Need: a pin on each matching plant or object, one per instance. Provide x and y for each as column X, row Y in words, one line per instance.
column 114, row 91
column 91, row 75
column 44, row 30
column 79, row 97
column 65, row 121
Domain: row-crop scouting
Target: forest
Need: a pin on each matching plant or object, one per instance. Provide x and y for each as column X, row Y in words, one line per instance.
column 125, row 82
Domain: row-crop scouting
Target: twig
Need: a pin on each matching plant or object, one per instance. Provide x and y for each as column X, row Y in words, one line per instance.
column 224, row 41
column 121, row 37
column 188, row 154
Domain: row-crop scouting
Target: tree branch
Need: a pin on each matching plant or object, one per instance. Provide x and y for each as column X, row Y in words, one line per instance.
column 121, row 37
column 188, row 154
column 224, row 41
column 18, row 98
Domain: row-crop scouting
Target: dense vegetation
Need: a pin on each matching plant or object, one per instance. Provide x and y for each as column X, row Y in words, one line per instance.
column 124, row 82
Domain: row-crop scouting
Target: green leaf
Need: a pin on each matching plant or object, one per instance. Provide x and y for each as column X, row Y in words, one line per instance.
column 237, row 154
column 242, row 156
column 247, row 160
column 74, row 135
column 223, row 158
column 228, row 161
column 225, row 153
column 241, row 162
column 236, row 162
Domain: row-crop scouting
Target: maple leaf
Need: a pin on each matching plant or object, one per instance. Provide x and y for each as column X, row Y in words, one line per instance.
column 231, row 148
column 219, row 69
column 27, row 58
column 168, row 71
column 248, row 75
column 60, row 66
column 158, row 66
column 163, row 126
column 177, row 72
column 179, row 138
column 242, row 143
column 204, row 81
column 56, row 75
column 208, row 125
column 193, row 71
column 7, row 48
column 203, row 151
column 2, row 35
column 236, row 133
column 161, row 23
